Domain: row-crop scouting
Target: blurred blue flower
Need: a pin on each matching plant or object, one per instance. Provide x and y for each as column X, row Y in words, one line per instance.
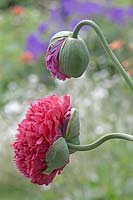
column 116, row 15
column 42, row 28
column 130, row 12
column 90, row 9
column 36, row 46
column 64, row 6
column 57, row 19
column 69, row 7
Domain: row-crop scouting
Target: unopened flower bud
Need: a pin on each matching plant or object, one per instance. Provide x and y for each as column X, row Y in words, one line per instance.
column 74, row 57
column 66, row 57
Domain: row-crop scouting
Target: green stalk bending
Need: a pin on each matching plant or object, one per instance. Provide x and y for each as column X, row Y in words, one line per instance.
column 100, row 141
column 106, row 48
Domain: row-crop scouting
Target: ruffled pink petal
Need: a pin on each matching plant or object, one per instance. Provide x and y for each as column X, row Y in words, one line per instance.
column 52, row 60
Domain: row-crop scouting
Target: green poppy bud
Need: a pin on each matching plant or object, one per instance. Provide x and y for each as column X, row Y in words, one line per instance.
column 66, row 56
column 73, row 57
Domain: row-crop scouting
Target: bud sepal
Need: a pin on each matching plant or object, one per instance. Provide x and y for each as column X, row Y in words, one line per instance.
column 57, row 156
column 73, row 57
column 73, row 127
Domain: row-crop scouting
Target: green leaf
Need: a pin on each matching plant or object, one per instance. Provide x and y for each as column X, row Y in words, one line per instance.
column 72, row 132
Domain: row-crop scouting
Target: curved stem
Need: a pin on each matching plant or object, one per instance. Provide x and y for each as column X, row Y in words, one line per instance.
column 105, row 46
column 100, row 141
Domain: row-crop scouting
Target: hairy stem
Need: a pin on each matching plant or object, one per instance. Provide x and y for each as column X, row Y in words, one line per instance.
column 106, row 47
column 100, row 141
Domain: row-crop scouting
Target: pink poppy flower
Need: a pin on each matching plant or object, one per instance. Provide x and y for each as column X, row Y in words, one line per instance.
column 46, row 121
column 52, row 59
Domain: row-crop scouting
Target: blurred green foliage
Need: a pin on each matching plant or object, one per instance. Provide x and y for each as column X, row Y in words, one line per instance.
column 8, row 3
column 122, row 2
column 13, row 32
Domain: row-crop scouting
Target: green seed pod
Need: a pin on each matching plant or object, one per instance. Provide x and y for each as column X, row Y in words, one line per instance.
column 73, row 57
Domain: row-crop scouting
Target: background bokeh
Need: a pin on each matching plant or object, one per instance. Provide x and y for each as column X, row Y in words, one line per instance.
column 104, row 100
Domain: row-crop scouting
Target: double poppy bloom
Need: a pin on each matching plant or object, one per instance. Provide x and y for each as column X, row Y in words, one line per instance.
column 45, row 122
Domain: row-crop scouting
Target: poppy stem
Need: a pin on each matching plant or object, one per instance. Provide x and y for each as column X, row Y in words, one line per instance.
column 106, row 47
column 100, row 141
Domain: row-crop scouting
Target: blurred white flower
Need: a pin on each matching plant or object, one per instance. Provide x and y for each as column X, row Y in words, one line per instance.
column 33, row 79
column 12, row 107
column 99, row 93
